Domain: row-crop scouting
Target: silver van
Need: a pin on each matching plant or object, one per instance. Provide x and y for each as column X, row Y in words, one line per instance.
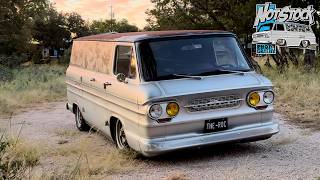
column 157, row 92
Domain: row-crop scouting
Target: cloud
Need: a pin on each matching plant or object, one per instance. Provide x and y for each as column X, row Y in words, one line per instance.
column 132, row 10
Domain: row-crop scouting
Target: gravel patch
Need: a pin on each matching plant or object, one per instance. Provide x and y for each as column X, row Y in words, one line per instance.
column 294, row 153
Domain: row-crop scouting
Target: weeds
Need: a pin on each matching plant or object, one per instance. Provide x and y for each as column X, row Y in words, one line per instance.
column 297, row 95
column 83, row 158
column 29, row 85
column 16, row 158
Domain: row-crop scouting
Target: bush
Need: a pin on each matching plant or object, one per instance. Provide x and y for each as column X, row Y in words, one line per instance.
column 36, row 57
column 13, row 60
column 65, row 58
column 5, row 73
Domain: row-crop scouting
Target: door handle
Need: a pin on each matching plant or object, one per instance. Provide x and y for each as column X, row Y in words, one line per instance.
column 92, row 79
column 106, row 84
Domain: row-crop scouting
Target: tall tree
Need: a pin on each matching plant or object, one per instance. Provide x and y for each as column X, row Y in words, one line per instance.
column 232, row 15
column 112, row 26
column 16, row 21
column 52, row 30
column 77, row 26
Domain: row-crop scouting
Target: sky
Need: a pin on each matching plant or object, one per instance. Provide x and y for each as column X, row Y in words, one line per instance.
column 132, row 10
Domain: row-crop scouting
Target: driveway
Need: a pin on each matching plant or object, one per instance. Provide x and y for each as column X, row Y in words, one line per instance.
column 294, row 153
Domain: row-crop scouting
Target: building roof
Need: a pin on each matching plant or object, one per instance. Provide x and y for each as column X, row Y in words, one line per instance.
column 138, row 36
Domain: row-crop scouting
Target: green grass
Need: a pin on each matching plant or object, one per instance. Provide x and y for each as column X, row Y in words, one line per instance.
column 30, row 85
column 297, row 95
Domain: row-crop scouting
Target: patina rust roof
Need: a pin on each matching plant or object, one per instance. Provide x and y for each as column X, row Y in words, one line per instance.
column 138, row 36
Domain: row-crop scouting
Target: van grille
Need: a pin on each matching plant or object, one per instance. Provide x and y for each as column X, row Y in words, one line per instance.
column 214, row 103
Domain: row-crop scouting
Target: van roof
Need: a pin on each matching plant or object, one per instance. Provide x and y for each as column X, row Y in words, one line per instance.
column 138, row 36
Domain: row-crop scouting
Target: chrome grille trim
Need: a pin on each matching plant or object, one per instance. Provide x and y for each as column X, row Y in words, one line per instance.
column 214, row 103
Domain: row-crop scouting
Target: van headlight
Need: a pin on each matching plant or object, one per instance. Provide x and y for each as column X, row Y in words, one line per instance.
column 260, row 99
column 172, row 109
column 155, row 111
column 253, row 99
column 268, row 97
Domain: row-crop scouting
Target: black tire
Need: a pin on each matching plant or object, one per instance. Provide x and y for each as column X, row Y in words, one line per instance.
column 306, row 45
column 80, row 122
column 282, row 44
column 120, row 136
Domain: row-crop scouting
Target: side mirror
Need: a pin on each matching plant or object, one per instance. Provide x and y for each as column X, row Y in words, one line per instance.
column 121, row 78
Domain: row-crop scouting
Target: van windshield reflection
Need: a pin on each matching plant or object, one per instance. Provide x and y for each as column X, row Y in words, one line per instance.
column 201, row 56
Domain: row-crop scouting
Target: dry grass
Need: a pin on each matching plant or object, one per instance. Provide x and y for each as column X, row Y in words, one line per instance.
column 297, row 95
column 177, row 176
column 84, row 158
column 30, row 85
column 80, row 159
column 17, row 158
column 67, row 133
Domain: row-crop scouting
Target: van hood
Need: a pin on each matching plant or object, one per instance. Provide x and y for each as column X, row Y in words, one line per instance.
column 180, row 87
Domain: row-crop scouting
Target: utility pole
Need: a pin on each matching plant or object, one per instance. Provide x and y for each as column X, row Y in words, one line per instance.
column 111, row 18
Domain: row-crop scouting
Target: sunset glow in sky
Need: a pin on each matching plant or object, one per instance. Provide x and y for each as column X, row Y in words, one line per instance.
column 132, row 10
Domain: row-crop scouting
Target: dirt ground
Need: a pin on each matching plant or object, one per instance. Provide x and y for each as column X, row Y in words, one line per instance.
column 294, row 153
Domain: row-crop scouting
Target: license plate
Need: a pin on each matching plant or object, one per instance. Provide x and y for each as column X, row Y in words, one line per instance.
column 265, row 49
column 215, row 125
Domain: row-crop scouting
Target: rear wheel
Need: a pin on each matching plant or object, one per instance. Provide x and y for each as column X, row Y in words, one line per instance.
column 80, row 122
column 120, row 137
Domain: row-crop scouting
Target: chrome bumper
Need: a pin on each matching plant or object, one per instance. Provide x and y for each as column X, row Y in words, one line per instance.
column 153, row 147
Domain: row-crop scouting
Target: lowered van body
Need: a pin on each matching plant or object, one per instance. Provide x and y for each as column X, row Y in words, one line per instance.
column 157, row 92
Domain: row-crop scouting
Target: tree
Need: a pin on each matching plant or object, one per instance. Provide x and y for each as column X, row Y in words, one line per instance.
column 76, row 25
column 124, row 26
column 16, row 21
column 52, row 30
column 231, row 15
column 105, row 26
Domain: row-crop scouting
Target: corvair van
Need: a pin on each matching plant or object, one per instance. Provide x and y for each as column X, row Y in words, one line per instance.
column 157, row 92
column 286, row 34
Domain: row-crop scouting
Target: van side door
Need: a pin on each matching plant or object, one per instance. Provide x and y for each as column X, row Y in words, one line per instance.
column 98, row 71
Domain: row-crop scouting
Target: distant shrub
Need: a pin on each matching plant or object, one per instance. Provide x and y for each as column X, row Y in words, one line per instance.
column 5, row 73
column 36, row 57
column 65, row 58
column 13, row 60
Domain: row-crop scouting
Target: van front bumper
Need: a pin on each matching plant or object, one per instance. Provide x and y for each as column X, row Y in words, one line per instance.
column 153, row 147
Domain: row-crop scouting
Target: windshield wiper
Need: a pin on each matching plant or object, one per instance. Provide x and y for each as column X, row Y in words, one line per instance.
column 220, row 71
column 232, row 71
column 189, row 76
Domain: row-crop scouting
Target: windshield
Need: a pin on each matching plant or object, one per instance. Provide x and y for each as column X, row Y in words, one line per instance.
column 165, row 59
column 265, row 27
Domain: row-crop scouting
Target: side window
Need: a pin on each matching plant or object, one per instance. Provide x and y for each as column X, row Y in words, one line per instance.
column 125, row 62
column 279, row 27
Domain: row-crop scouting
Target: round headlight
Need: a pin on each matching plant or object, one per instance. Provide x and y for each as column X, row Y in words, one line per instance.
column 155, row 111
column 268, row 97
column 253, row 99
column 172, row 109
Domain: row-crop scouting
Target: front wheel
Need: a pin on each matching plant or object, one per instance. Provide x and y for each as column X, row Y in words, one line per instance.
column 121, row 139
column 305, row 43
column 80, row 122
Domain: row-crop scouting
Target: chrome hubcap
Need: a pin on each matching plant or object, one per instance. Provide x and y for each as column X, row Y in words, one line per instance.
column 121, row 136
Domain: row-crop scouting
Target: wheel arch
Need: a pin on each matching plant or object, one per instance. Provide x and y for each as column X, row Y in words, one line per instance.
column 74, row 107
